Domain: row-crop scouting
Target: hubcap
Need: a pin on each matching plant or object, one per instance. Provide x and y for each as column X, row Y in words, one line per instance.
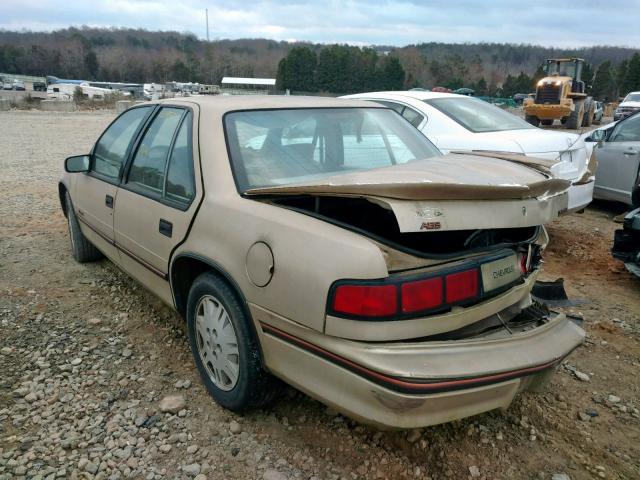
column 217, row 343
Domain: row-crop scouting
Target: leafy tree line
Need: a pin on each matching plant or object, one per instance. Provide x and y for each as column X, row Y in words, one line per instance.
column 339, row 69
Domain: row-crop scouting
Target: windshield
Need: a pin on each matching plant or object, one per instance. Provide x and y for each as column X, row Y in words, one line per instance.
column 632, row 97
column 280, row 147
column 478, row 115
column 562, row 69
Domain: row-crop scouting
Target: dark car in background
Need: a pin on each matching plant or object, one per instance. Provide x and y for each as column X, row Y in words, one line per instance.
column 626, row 242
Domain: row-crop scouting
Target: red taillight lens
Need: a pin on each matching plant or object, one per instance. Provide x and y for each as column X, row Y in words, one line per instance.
column 366, row 300
column 421, row 295
column 461, row 286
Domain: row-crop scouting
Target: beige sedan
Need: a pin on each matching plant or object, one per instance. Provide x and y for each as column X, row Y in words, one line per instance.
column 327, row 243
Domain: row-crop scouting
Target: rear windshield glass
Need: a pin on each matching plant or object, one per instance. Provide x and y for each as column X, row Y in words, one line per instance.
column 280, row 147
column 478, row 115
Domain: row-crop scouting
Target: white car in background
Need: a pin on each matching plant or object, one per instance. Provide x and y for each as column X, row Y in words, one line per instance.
column 458, row 122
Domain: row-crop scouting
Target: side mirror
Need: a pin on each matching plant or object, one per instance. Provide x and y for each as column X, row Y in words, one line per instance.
column 597, row 136
column 77, row 164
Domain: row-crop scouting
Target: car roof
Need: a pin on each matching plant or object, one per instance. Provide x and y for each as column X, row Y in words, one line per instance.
column 220, row 104
column 415, row 94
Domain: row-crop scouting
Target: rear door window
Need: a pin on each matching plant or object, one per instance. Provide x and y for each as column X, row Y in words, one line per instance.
column 149, row 163
column 112, row 147
column 180, row 176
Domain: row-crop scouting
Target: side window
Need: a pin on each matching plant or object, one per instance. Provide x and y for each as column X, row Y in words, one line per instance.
column 627, row 131
column 392, row 105
column 180, row 179
column 111, row 149
column 149, row 163
column 413, row 117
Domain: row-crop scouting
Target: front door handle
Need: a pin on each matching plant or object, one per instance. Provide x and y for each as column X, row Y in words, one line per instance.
column 165, row 228
column 631, row 152
column 108, row 201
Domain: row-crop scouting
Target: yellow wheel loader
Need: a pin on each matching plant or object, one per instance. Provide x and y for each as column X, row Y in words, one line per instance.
column 561, row 96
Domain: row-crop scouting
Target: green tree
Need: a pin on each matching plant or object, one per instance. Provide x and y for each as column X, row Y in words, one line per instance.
column 621, row 78
column 604, row 85
column 297, row 70
column 587, row 76
column 481, row 87
column 632, row 79
column 334, row 69
column 391, row 73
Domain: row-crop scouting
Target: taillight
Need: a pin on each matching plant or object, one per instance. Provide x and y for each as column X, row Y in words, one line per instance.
column 401, row 298
column 421, row 295
column 461, row 286
column 366, row 300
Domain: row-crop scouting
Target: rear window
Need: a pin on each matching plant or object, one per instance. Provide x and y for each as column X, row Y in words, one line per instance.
column 478, row 115
column 280, row 147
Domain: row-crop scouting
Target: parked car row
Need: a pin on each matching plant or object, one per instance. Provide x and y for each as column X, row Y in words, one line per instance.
column 330, row 244
column 8, row 84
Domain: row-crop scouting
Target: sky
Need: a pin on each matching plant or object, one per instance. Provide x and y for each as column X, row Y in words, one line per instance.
column 358, row 22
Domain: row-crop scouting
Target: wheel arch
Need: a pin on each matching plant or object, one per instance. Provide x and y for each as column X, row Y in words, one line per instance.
column 185, row 268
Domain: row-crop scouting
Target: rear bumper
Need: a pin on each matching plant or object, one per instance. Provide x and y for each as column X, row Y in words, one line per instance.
column 409, row 385
column 580, row 195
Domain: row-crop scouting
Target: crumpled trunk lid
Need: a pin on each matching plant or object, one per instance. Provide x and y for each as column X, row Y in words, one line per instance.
column 458, row 191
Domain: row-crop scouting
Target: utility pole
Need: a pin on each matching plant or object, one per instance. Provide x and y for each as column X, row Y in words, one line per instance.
column 206, row 11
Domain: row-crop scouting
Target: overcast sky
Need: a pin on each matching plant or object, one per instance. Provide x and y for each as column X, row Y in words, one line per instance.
column 544, row 22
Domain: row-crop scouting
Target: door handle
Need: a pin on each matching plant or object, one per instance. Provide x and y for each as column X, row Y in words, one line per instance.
column 108, row 201
column 165, row 228
column 631, row 152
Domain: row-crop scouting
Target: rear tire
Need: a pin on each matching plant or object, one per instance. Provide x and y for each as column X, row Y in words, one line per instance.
column 532, row 119
column 575, row 119
column 546, row 122
column 225, row 348
column 82, row 249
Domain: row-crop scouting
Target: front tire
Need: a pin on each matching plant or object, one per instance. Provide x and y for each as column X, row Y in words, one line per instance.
column 82, row 249
column 574, row 121
column 225, row 348
column 532, row 119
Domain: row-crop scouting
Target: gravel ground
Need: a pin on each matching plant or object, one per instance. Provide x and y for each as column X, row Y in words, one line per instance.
column 97, row 379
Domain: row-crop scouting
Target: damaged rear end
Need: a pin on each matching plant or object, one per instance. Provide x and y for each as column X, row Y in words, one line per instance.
column 448, row 329
column 452, row 330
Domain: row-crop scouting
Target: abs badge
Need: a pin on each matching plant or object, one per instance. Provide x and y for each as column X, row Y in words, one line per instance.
column 432, row 215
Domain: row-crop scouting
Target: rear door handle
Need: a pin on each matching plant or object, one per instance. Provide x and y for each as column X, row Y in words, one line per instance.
column 165, row 228
column 108, row 201
column 631, row 152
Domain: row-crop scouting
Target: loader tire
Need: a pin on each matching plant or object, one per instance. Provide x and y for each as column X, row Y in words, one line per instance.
column 532, row 119
column 574, row 121
column 587, row 118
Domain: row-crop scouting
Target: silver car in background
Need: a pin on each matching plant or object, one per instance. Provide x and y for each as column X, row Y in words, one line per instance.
column 618, row 152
